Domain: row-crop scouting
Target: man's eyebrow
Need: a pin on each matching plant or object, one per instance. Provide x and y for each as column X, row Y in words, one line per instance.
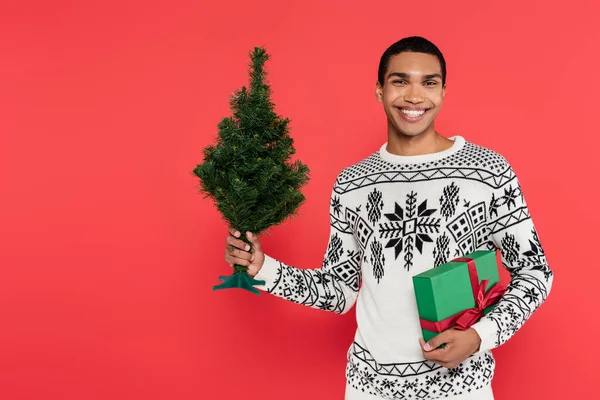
column 431, row 76
column 404, row 75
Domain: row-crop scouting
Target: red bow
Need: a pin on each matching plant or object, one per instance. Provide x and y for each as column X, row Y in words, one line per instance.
column 465, row 319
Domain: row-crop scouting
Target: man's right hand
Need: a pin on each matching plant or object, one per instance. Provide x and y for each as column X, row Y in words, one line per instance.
column 238, row 252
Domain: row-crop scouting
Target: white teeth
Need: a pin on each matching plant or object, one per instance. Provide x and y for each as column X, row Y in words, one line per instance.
column 413, row 113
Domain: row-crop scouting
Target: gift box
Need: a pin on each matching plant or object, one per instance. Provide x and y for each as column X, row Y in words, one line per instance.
column 458, row 293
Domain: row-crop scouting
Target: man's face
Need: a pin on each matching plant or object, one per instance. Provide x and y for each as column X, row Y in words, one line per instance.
column 412, row 93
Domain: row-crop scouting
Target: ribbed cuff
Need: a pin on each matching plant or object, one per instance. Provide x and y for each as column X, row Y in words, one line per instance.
column 268, row 273
column 487, row 331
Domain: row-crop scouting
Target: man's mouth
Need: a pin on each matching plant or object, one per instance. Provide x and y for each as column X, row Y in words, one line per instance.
column 412, row 114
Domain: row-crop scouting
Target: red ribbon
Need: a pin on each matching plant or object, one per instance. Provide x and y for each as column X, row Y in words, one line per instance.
column 465, row 319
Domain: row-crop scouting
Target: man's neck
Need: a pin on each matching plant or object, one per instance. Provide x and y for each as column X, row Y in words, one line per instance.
column 425, row 143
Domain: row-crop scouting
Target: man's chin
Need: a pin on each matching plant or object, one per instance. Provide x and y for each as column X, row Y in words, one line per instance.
column 414, row 132
column 402, row 128
column 410, row 134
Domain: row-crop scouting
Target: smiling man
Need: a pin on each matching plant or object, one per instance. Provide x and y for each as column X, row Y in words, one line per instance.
column 417, row 202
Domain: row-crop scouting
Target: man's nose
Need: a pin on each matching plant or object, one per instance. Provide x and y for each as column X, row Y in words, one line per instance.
column 414, row 94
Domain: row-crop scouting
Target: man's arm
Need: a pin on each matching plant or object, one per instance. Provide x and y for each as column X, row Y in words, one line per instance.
column 513, row 232
column 332, row 287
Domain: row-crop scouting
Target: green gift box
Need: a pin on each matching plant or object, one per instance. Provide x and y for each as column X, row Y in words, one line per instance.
column 455, row 292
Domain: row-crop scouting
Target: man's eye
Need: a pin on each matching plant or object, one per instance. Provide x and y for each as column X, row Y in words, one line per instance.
column 430, row 83
column 398, row 81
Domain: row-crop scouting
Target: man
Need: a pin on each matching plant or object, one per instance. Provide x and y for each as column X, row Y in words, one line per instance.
column 418, row 202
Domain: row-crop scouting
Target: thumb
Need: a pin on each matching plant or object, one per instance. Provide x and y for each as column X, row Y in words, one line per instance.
column 254, row 240
column 445, row 337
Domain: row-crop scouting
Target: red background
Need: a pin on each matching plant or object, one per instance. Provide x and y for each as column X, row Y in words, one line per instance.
column 108, row 253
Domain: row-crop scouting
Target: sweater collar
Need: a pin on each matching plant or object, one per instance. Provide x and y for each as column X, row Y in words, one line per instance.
column 458, row 144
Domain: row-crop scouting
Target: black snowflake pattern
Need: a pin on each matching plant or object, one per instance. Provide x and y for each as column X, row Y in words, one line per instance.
column 336, row 205
column 352, row 369
column 377, row 260
column 536, row 248
column 409, row 385
column 476, row 365
column 510, row 248
column 334, row 251
column 441, row 252
column 530, row 294
column 449, row 200
column 456, row 372
column 369, row 377
column 512, row 314
column 409, row 227
column 534, row 258
column 326, row 302
column 374, row 205
column 387, row 384
column 489, row 360
column 509, row 199
column 300, row 285
column 433, row 380
column 322, row 278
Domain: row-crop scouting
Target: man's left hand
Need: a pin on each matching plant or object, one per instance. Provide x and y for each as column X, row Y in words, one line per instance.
column 460, row 345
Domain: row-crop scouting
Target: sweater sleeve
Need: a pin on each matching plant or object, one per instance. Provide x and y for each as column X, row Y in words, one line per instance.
column 513, row 232
column 332, row 287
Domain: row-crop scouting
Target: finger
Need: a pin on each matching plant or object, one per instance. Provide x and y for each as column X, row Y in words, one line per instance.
column 233, row 253
column 443, row 338
column 240, row 244
column 254, row 240
column 233, row 231
column 237, row 261
column 237, row 253
column 439, row 356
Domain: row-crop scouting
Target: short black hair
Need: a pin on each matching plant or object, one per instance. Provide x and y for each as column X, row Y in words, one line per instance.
column 414, row 44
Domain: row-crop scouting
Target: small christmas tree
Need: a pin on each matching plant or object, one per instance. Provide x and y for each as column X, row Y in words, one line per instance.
column 248, row 172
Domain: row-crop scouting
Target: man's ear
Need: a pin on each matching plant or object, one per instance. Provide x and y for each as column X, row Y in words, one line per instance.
column 444, row 91
column 379, row 92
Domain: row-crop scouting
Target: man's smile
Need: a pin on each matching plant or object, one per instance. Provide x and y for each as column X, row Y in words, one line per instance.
column 412, row 114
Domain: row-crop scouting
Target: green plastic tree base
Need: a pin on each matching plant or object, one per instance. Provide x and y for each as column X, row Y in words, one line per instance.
column 239, row 280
